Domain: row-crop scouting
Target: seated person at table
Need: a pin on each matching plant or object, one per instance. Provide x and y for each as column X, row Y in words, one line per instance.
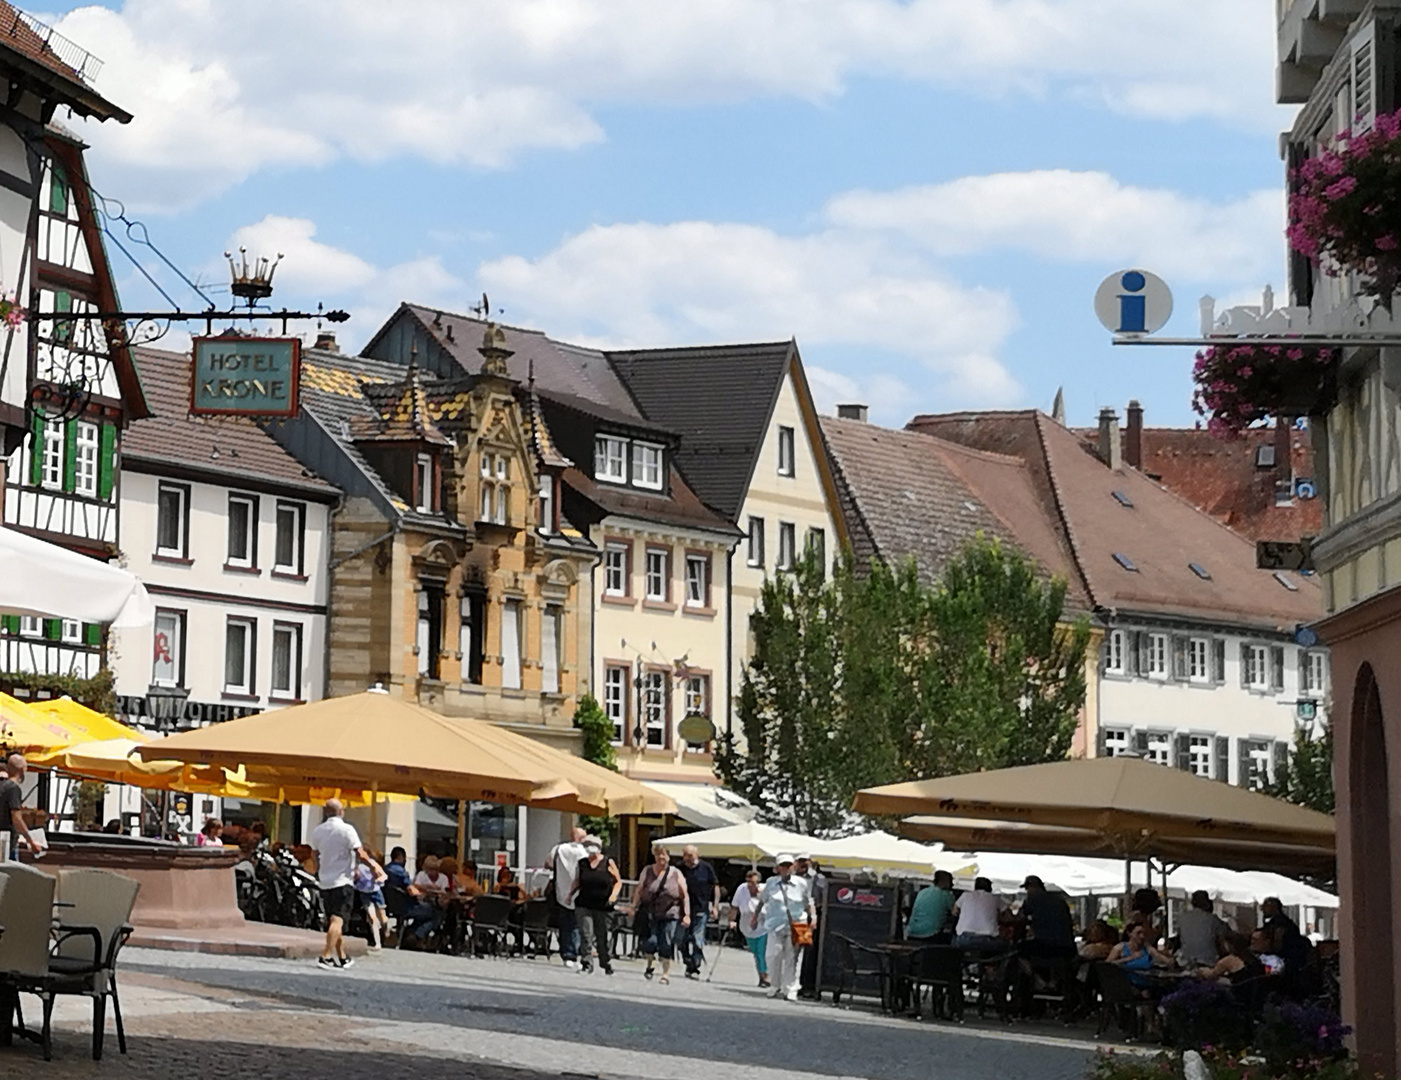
column 1237, row 963
column 979, row 917
column 1263, row 947
column 1200, row 929
column 1137, row 956
column 431, row 885
column 1287, row 941
column 1100, row 940
column 396, row 871
column 931, row 914
column 1051, row 930
column 448, row 866
column 507, row 885
column 467, row 883
column 1147, row 909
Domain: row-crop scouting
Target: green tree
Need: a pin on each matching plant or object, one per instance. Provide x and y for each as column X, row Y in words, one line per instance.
column 875, row 677
column 597, row 731
column 1307, row 777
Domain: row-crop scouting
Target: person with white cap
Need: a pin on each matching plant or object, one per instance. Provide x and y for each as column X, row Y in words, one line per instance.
column 790, row 917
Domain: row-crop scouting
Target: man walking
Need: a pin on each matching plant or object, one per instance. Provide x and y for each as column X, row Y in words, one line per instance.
column 12, row 806
column 788, row 907
column 338, row 850
column 704, row 890
column 564, row 865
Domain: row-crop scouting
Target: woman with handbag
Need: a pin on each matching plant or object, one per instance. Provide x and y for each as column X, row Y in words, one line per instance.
column 790, row 915
column 660, row 903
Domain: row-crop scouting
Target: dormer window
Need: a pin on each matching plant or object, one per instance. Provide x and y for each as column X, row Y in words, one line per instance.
column 647, row 466
column 494, row 503
column 610, row 459
column 423, row 483
column 617, row 460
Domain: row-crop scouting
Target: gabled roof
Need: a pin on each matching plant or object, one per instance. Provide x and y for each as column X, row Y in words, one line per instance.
column 228, row 449
column 719, row 399
column 1160, row 534
column 30, row 51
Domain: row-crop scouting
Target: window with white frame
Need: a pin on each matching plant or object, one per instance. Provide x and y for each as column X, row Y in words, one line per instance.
column 240, row 651
column 52, row 474
column 615, row 700
column 1114, row 652
column 1199, row 755
column 1199, row 660
column 615, row 570
column 511, row 645
column 423, row 482
column 1315, row 669
column 787, row 545
column 1159, row 748
column 287, row 660
column 172, row 519
column 1257, row 667
column 547, row 503
column 654, row 708
column 1258, row 752
column 550, row 639
column 243, row 526
column 168, row 649
column 471, row 635
column 1116, row 741
column 429, row 631
column 484, row 508
column 291, row 529
column 697, row 580
column 657, row 574
column 817, row 547
column 1157, row 649
column 31, row 626
column 785, row 451
column 756, row 541
column 647, row 466
column 610, row 459
column 71, row 632
column 85, row 449
column 502, row 513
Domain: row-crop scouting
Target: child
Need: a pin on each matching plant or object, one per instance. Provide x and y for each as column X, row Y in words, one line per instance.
column 368, row 879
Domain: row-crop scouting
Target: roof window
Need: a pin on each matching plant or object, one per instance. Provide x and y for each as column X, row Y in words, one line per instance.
column 1124, row 561
column 1265, row 456
column 1122, row 499
column 1285, row 580
column 1200, row 570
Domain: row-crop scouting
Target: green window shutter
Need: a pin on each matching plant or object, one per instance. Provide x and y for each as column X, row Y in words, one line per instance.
column 63, row 328
column 107, row 462
column 53, row 629
column 12, row 624
column 70, row 455
column 36, row 448
column 58, row 190
column 92, row 633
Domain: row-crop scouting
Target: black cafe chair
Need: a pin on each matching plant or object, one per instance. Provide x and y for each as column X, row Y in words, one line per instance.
column 857, row 962
column 939, row 969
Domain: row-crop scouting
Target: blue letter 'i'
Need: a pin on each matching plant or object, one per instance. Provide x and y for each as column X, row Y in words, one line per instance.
column 1133, row 311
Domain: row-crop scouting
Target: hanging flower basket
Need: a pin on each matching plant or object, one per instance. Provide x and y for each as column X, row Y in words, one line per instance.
column 1238, row 385
column 11, row 314
column 1345, row 208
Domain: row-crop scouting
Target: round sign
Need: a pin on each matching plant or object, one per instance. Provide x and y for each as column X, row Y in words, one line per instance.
column 1306, row 636
column 1133, row 302
column 696, row 729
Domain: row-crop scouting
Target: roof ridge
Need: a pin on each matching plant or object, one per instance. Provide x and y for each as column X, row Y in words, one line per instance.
column 1075, row 552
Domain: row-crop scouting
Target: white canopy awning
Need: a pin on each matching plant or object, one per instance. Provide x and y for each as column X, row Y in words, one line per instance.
column 705, row 805
column 878, row 852
column 46, row 580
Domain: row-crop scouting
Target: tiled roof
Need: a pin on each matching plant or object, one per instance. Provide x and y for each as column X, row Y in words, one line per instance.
column 23, row 46
column 1159, row 534
column 719, row 400
column 403, row 413
column 909, row 495
column 540, row 437
column 682, row 508
column 230, row 447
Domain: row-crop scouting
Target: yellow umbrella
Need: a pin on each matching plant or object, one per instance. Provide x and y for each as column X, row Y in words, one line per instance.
column 81, row 724
column 23, row 730
column 113, row 761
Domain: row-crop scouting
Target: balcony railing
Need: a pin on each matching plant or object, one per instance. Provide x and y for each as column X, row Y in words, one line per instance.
column 28, row 30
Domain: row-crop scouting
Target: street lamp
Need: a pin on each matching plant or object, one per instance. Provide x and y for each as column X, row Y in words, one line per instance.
column 166, row 704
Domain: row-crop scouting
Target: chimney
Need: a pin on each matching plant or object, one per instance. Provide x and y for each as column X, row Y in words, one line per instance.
column 852, row 412
column 1110, row 452
column 326, row 341
column 1133, row 444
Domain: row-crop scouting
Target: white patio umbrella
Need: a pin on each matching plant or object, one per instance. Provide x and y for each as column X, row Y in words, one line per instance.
column 749, row 841
column 1063, row 873
column 878, row 852
column 881, row 852
column 47, row 580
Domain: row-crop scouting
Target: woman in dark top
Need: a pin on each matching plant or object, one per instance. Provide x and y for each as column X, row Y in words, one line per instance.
column 595, row 889
column 506, row 885
column 662, row 895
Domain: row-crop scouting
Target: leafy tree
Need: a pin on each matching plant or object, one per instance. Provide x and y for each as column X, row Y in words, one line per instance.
column 1307, row 777
column 597, row 730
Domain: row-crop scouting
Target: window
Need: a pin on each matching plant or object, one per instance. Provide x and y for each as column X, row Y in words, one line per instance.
column 547, row 503
column 550, row 640
column 1156, row 660
column 756, row 541
column 85, row 446
column 502, row 515
column 698, row 581
column 1114, row 653
column 697, row 702
column 423, row 483
column 511, row 645
column 1122, row 499
column 429, row 632
column 1257, row 667
column 484, row 510
column 1314, row 666
column 647, row 466
column 287, row 556
column 172, row 517
column 1124, row 561
column 240, row 650
column 1199, row 660
column 31, row 625
column 787, row 543
column 243, row 531
column 71, row 632
column 817, row 547
column 1200, row 570
column 471, row 636
column 1116, row 741
column 53, row 451
column 1199, row 755
column 1257, row 763
column 657, row 576
column 1157, row 748
column 610, row 459
column 785, row 451
column 168, row 649
column 287, row 660
column 1265, row 456
column 615, row 700
column 615, row 570
column 654, row 710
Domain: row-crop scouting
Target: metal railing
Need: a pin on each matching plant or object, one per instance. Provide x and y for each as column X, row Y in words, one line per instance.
column 83, row 63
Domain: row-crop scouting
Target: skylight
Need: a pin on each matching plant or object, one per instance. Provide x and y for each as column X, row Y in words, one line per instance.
column 1122, row 499
column 1200, row 570
column 1285, row 580
column 1124, row 561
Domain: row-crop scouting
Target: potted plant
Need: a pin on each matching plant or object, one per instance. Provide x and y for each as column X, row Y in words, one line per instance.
column 1239, row 384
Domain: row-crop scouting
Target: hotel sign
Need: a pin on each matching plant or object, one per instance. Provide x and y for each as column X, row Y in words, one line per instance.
column 243, row 376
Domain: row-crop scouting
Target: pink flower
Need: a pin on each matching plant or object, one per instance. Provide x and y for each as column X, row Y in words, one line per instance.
column 1341, row 187
column 1386, row 243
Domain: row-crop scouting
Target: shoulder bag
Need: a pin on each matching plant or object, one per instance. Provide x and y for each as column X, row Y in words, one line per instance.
column 800, row 933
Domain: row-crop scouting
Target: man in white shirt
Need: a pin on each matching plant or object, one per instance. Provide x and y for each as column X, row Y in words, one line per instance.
column 787, row 902
column 979, row 918
column 338, row 852
column 564, row 865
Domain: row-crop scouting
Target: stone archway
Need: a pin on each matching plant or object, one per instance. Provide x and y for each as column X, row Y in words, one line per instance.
column 1373, row 946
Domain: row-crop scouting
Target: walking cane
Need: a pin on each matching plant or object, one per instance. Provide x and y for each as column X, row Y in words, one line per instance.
column 719, row 950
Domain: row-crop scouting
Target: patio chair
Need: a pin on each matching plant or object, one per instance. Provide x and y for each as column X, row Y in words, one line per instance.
column 856, row 962
column 939, row 968
column 1119, row 998
column 536, row 928
column 101, row 902
column 397, row 905
column 490, row 923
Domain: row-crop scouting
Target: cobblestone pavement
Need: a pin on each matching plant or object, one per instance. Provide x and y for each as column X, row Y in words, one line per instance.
column 202, row 1017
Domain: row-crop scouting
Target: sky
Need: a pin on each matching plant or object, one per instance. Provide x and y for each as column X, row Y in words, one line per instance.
column 924, row 194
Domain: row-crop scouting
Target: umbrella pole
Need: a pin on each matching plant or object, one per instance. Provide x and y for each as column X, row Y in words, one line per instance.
column 277, row 819
column 461, row 831
column 374, row 817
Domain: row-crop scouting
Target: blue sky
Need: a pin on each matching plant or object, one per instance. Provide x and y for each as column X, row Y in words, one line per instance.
column 925, row 194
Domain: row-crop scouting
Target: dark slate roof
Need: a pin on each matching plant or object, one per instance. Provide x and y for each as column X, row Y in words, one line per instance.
column 228, row 449
column 719, row 400
column 681, row 508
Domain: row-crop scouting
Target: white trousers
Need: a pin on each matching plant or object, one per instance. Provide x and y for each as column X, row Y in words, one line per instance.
column 785, row 962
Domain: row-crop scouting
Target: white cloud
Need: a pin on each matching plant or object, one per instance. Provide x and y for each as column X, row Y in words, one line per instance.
column 221, row 90
column 1065, row 216
column 307, row 263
